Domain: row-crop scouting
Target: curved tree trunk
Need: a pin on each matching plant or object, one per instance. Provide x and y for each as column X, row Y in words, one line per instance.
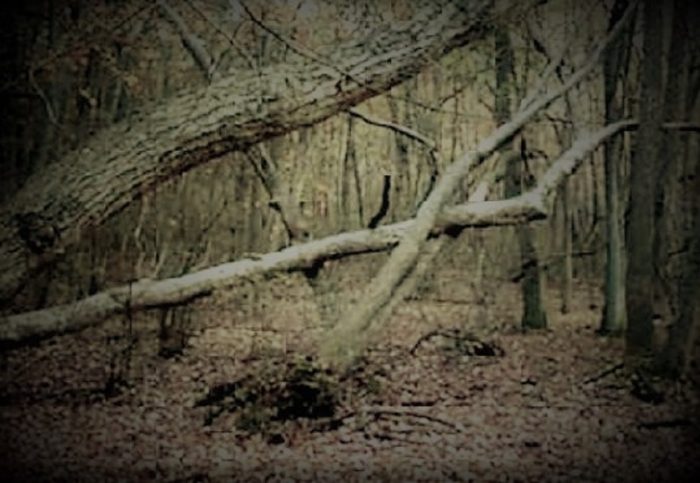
column 130, row 158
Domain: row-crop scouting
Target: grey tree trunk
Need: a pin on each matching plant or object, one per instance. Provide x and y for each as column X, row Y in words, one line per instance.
column 534, row 315
column 516, row 178
column 568, row 275
column 616, row 61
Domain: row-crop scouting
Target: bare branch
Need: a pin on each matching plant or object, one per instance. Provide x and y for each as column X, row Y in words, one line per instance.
column 681, row 126
column 532, row 205
column 299, row 49
column 42, row 95
column 344, row 343
column 266, row 169
column 191, row 41
column 229, row 38
column 430, row 144
column 544, row 77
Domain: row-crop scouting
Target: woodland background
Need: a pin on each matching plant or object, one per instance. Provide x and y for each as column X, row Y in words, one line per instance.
column 333, row 172
column 73, row 69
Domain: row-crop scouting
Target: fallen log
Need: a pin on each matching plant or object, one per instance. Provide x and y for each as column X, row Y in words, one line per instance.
column 147, row 293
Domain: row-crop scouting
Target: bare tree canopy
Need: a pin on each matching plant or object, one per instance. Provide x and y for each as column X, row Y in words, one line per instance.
column 343, row 346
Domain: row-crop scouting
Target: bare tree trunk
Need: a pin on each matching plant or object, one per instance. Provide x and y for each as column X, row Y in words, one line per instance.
column 641, row 227
column 533, row 313
column 616, row 61
column 568, row 250
column 350, row 207
column 401, row 174
column 347, row 340
column 673, row 359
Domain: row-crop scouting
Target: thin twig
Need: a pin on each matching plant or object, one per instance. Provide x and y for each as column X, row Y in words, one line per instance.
column 231, row 40
column 400, row 411
column 430, row 144
column 297, row 48
column 605, row 373
column 313, row 56
column 47, row 102
column 425, row 337
column 193, row 43
column 79, row 44
column 668, row 423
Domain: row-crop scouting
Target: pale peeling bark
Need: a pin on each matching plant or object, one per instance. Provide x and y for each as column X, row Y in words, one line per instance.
column 122, row 162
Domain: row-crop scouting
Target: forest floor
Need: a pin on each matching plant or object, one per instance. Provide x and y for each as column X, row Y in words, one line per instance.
column 550, row 407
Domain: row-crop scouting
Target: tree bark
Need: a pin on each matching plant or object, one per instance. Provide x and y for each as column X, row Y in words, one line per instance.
column 568, row 247
column 130, row 158
column 533, row 315
column 640, row 277
column 673, row 360
column 616, row 61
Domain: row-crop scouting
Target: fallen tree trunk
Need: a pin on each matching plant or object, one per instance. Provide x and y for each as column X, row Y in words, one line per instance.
column 124, row 161
column 144, row 294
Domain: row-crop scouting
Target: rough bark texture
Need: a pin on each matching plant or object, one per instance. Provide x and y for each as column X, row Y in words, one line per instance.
column 122, row 162
column 640, row 279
